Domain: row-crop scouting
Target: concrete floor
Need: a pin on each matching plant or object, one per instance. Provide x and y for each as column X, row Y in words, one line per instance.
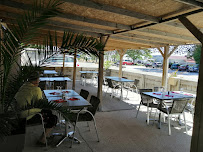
column 118, row 129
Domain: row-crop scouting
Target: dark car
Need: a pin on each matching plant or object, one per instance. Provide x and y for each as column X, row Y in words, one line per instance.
column 193, row 68
column 148, row 64
column 183, row 67
column 174, row 66
column 156, row 65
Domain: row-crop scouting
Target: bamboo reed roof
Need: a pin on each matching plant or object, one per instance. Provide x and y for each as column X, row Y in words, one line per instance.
column 131, row 24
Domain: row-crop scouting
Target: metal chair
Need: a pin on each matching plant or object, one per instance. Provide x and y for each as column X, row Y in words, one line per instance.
column 131, row 87
column 112, row 86
column 42, row 85
column 84, row 93
column 38, row 123
column 85, row 115
column 177, row 108
column 63, row 84
column 146, row 101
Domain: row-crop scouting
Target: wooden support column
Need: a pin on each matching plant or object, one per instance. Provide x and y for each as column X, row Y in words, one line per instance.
column 64, row 55
column 197, row 135
column 121, row 53
column 74, row 70
column 166, row 56
column 103, row 40
column 165, row 67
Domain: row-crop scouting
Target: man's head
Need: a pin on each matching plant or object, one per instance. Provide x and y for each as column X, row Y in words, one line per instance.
column 34, row 78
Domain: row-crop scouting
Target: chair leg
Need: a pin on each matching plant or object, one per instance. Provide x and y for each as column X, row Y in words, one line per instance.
column 94, row 125
column 169, row 125
column 185, row 122
column 88, row 125
column 138, row 110
column 43, row 129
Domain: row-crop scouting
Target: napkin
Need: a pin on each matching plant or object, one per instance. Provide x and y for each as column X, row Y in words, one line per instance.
column 60, row 101
column 168, row 95
column 73, row 99
column 54, row 93
column 66, row 91
column 157, row 93
column 175, row 92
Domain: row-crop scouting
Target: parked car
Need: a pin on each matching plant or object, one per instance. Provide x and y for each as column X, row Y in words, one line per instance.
column 183, row 67
column 148, row 64
column 127, row 62
column 193, row 68
column 156, row 64
column 175, row 66
column 58, row 61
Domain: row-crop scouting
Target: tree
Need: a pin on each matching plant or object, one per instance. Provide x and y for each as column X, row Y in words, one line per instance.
column 138, row 54
column 197, row 54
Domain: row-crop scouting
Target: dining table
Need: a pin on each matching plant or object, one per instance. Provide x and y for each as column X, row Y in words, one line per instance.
column 50, row 72
column 50, row 80
column 85, row 73
column 121, row 80
column 165, row 96
column 69, row 99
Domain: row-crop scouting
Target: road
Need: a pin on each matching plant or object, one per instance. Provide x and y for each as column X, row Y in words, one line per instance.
column 192, row 76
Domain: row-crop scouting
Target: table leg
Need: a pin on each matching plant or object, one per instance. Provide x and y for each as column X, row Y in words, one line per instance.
column 159, row 124
column 68, row 135
column 147, row 112
column 121, row 97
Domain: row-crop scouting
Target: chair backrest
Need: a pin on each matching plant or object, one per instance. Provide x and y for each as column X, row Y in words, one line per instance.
column 136, row 81
column 158, row 89
column 145, row 98
column 110, row 84
column 84, row 93
column 178, row 105
column 95, row 101
column 42, row 85
column 63, row 84
column 89, row 75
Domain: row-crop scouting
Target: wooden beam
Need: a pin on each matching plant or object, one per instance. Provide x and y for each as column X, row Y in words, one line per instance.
column 156, row 32
column 74, row 70
column 103, row 40
column 165, row 68
column 191, row 2
column 197, row 135
column 133, row 40
column 72, row 30
column 95, row 21
column 192, row 28
column 171, row 42
column 162, row 54
column 76, row 27
column 108, row 8
column 121, row 53
column 68, row 16
column 172, row 51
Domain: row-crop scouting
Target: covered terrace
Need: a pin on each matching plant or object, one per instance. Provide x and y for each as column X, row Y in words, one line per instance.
column 128, row 24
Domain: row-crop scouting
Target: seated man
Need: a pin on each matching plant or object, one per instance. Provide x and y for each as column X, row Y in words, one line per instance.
column 29, row 93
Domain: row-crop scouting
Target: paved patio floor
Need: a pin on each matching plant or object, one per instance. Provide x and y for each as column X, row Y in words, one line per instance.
column 118, row 129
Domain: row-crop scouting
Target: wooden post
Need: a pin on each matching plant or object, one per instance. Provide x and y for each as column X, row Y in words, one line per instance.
column 165, row 67
column 74, row 70
column 121, row 53
column 64, row 55
column 197, row 135
column 103, row 40
column 166, row 56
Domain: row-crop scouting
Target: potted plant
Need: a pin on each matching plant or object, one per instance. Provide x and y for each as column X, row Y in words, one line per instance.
column 107, row 65
column 12, row 75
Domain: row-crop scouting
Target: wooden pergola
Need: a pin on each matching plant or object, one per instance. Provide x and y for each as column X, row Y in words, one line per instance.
column 130, row 24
